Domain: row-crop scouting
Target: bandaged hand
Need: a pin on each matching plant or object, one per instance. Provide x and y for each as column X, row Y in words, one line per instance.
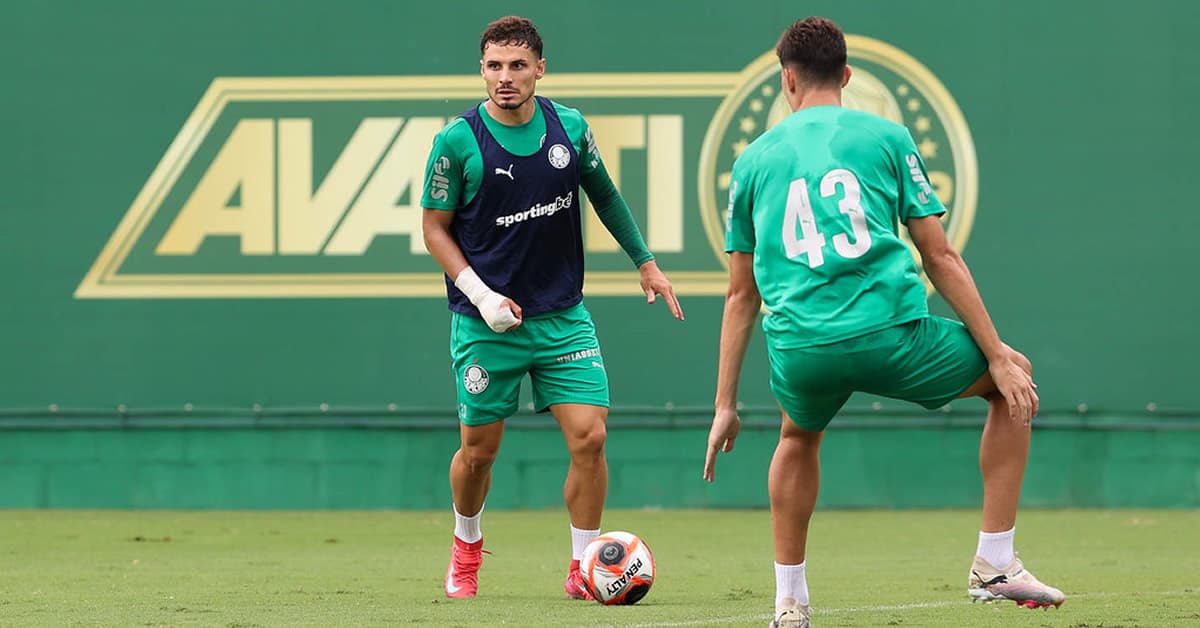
column 493, row 306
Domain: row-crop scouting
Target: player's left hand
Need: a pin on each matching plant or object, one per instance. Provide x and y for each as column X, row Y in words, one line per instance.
column 725, row 427
column 654, row 282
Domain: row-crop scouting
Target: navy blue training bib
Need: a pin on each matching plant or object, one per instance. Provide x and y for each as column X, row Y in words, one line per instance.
column 521, row 233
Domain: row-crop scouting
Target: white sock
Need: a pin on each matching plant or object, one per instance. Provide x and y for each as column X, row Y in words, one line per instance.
column 790, row 582
column 997, row 548
column 467, row 528
column 580, row 539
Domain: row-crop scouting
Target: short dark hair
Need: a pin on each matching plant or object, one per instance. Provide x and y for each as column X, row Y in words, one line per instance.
column 816, row 48
column 512, row 30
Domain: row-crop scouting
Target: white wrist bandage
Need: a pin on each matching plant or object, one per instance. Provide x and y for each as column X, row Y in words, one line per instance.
column 500, row 319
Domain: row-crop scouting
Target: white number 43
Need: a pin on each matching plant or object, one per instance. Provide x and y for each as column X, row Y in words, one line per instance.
column 811, row 241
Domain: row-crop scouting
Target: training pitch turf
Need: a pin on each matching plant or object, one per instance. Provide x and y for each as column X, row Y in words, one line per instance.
column 869, row 568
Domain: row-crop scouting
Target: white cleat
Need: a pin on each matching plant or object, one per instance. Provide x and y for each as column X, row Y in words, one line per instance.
column 987, row 584
column 790, row 614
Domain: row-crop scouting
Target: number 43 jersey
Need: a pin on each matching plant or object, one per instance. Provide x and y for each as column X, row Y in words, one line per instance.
column 818, row 200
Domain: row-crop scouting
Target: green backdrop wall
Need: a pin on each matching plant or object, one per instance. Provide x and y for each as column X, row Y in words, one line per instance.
column 211, row 297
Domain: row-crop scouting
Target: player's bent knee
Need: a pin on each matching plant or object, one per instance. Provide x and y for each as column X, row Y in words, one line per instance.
column 793, row 437
column 590, row 441
column 479, row 457
column 1023, row 362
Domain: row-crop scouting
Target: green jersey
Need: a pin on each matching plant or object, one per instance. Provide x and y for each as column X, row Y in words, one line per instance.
column 818, row 200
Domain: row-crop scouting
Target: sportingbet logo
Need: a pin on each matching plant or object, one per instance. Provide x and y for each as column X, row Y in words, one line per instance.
column 537, row 211
column 311, row 187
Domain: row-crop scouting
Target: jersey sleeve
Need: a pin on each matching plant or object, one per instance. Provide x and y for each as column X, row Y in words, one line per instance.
column 607, row 201
column 444, row 173
column 589, row 155
column 581, row 134
column 739, row 221
column 917, row 198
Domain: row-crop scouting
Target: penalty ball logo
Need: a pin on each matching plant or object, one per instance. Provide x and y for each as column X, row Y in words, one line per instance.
column 885, row 81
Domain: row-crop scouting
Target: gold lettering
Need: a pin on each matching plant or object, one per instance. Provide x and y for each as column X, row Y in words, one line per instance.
column 245, row 164
column 664, row 183
column 379, row 209
column 308, row 216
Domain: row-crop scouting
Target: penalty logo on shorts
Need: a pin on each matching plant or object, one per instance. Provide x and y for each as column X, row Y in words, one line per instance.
column 885, row 81
column 475, row 379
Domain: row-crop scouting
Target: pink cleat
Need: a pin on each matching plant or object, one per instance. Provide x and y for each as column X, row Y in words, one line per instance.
column 462, row 577
column 575, row 586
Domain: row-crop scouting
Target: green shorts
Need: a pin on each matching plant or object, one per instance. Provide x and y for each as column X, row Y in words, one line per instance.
column 558, row 350
column 929, row 361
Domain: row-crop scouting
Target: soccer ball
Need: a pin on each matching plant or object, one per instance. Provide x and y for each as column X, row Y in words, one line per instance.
column 617, row 568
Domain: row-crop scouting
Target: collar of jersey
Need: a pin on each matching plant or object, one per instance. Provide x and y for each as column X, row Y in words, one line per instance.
column 521, row 140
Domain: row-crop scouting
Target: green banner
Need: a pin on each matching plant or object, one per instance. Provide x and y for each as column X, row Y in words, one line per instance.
column 215, row 209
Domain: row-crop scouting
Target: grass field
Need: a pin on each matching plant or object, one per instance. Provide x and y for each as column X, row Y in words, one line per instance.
column 875, row 568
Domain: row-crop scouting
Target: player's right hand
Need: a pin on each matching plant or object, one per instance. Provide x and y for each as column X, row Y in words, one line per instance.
column 725, row 427
column 1017, row 387
column 499, row 312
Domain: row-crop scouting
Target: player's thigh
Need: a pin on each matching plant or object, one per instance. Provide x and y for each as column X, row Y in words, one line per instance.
column 810, row 384
column 568, row 366
column 481, row 443
column 488, row 368
column 933, row 362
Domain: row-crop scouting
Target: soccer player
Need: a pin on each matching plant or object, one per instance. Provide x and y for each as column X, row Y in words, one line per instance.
column 502, row 218
column 812, row 232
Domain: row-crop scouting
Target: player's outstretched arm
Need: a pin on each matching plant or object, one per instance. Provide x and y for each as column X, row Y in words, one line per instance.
column 614, row 214
column 742, row 302
column 950, row 275
column 499, row 311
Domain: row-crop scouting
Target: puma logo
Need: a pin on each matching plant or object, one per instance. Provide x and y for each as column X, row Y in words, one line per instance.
column 507, row 173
